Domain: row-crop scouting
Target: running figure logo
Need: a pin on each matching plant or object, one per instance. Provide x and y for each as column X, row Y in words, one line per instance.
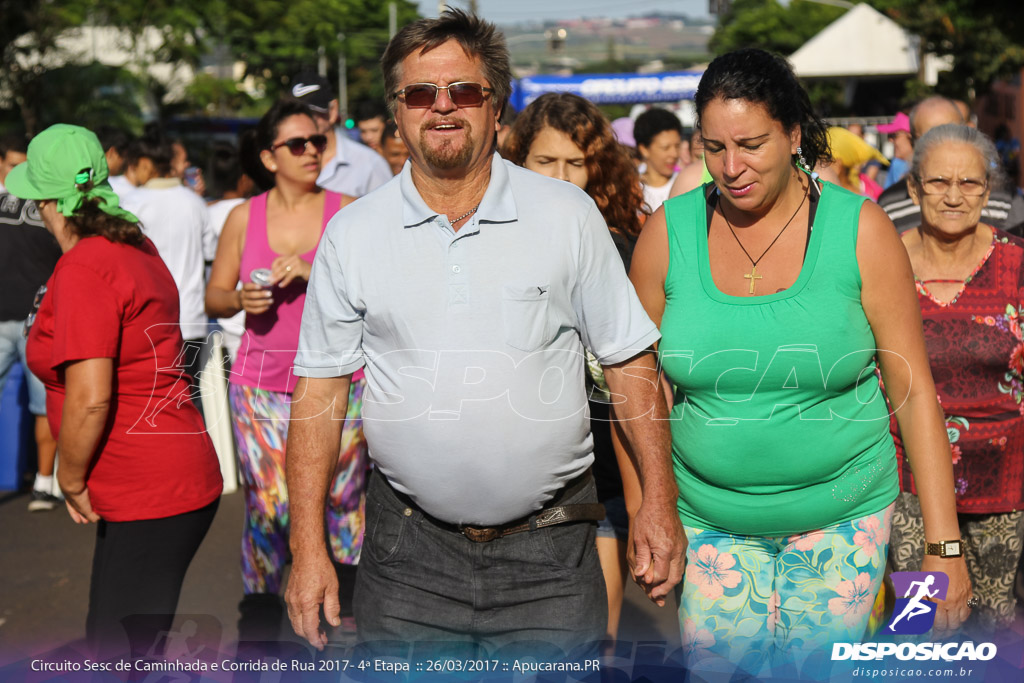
column 914, row 613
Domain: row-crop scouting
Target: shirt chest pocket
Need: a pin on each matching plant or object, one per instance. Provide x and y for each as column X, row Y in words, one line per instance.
column 526, row 311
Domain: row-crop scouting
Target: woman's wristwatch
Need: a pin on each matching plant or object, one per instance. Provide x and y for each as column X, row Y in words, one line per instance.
column 945, row 548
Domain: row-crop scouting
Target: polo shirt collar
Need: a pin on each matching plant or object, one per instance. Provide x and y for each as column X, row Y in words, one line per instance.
column 162, row 183
column 497, row 206
column 340, row 136
column 414, row 210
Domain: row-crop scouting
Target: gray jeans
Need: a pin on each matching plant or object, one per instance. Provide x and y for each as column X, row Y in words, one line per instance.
column 537, row 592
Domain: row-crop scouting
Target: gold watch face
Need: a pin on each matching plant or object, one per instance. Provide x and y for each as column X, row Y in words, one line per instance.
column 951, row 549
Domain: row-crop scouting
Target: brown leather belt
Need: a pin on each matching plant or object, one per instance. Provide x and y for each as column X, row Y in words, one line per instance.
column 561, row 514
column 550, row 515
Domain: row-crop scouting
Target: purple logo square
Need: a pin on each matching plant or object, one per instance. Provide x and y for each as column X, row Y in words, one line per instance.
column 914, row 613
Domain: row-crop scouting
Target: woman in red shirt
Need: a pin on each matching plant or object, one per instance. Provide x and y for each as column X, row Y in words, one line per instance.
column 105, row 340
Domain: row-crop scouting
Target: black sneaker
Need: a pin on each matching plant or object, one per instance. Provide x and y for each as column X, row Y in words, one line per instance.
column 42, row 501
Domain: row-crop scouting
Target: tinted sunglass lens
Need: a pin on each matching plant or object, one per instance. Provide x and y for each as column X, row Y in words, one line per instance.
column 319, row 143
column 466, row 94
column 419, row 96
column 296, row 146
column 423, row 95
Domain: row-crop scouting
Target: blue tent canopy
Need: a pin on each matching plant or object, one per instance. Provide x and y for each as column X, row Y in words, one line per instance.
column 670, row 86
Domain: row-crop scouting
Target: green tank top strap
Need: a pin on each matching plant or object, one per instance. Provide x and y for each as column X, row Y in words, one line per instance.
column 839, row 217
column 684, row 215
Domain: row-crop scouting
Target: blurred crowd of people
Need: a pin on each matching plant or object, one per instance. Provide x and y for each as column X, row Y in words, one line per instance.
column 116, row 247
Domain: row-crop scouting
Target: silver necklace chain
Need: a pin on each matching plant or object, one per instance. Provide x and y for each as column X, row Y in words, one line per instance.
column 466, row 215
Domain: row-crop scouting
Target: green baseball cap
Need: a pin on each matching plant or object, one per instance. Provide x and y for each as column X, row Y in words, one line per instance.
column 66, row 163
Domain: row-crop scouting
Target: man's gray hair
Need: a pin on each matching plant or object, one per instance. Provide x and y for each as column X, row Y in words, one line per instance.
column 479, row 38
column 956, row 133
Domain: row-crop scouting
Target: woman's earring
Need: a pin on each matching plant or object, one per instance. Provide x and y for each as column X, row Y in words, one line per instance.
column 800, row 158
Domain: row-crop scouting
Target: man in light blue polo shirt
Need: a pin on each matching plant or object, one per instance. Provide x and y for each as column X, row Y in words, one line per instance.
column 349, row 167
column 467, row 288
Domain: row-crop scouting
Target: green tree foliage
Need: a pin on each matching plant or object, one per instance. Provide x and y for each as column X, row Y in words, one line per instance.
column 32, row 60
column 28, row 35
column 985, row 39
column 182, row 26
column 208, row 95
column 91, row 95
column 276, row 38
column 183, row 30
column 768, row 25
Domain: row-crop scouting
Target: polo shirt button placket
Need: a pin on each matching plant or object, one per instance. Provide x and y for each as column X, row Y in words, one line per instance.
column 457, row 289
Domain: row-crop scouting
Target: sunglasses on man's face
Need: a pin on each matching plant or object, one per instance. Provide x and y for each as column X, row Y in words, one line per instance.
column 297, row 146
column 422, row 95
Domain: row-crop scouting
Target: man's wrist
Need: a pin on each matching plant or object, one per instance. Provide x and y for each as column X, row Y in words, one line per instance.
column 659, row 484
column 306, row 547
column 661, row 495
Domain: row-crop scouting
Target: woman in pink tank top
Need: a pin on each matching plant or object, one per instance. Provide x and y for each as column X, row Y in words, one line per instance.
column 268, row 244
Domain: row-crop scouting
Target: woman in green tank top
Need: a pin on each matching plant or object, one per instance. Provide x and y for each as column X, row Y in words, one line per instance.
column 776, row 294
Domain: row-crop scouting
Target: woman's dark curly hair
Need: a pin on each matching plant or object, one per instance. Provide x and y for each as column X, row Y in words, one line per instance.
column 89, row 220
column 270, row 123
column 759, row 76
column 249, row 160
column 612, row 179
column 263, row 136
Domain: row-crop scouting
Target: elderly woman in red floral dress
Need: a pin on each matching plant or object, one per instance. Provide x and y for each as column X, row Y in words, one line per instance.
column 970, row 283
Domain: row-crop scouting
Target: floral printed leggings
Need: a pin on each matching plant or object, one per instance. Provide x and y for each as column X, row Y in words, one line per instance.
column 261, row 425
column 752, row 602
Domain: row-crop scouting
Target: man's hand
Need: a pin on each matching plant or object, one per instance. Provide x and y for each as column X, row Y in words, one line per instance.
column 312, row 583
column 657, row 549
column 657, row 546
column 314, row 439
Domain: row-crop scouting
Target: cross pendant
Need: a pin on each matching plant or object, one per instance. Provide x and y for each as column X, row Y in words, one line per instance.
column 753, row 276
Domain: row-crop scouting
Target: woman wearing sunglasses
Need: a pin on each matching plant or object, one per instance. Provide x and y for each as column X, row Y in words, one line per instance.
column 268, row 244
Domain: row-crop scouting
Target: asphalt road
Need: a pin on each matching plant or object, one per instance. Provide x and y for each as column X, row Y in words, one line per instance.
column 45, row 564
